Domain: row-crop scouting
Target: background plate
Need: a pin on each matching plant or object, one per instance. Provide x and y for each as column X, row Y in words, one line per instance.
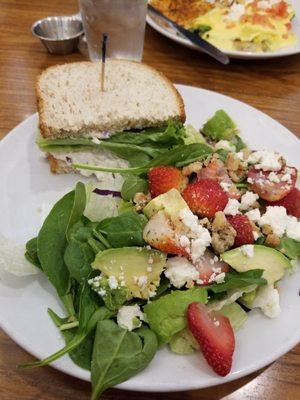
column 162, row 27
column 28, row 187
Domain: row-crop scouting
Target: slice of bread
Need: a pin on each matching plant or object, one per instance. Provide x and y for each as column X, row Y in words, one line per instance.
column 71, row 103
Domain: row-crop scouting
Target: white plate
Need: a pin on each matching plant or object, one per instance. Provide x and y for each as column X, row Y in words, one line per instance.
column 162, row 27
column 26, row 184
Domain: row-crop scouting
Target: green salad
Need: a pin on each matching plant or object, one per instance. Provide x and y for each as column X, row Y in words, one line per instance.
column 202, row 231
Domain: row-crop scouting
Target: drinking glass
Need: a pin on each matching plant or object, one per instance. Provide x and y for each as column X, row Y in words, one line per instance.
column 124, row 22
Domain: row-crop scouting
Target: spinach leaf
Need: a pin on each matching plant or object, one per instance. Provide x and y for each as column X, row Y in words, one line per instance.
column 52, row 242
column 239, row 143
column 234, row 280
column 222, row 154
column 119, row 354
column 81, row 355
column 81, row 251
column 125, row 206
column 178, row 156
column 124, row 230
column 113, row 298
column 95, row 245
column 132, row 185
column 289, row 247
column 78, row 257
column 32, row 252
column 182, row 155
column 90, row 312
column 78, row 207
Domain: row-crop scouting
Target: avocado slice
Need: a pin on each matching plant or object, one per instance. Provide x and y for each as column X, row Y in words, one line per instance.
column 137, row 268
column 270, row 260
column 171, row 203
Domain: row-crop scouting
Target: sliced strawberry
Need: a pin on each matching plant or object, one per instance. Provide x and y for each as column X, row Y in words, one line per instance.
column 205, row 197
column 164, row 178
column 215, row 336
column 244, row 232
column 160, row 234
column 272, row 186
column 216, row 170
column 209, row 267
column 291, row 202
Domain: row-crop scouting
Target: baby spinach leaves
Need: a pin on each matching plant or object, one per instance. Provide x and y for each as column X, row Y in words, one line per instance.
column 90, row 312
column 119, row 354
column 178, row 156
column 234, row 280
column 289, row 247
column 32, row 252
column 52, row 242
column 49, row 248
column 124, row 230
column 132, row 185
column 78, row 207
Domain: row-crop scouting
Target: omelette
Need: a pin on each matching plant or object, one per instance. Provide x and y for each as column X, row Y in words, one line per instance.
column 244, row 25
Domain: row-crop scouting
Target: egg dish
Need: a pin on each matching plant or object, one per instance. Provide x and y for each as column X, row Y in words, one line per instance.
column 243, row 25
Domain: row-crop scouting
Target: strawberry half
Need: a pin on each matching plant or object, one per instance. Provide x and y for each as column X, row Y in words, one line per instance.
column 271, row 186
column 217, row 171
column 291, row 202
column 205, row 197
column 209, row 268
column 244, row 232
column 161, row 179
column 160, row 234
column 215, row 336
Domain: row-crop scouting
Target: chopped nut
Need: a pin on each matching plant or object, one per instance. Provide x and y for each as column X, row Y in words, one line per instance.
column 272, row 240
column 195, row 167
column 205, row 223
column 223, row 233
column 141, row 200
column 237, row 169
column 267, row 229
column 232, row 163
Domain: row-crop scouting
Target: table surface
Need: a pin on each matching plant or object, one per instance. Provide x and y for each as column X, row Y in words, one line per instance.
column 271, row 86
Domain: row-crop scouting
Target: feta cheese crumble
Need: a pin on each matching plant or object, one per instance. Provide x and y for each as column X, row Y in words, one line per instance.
column 226, row 145
column 232, row 207
column 267, row 299
column 253, row 215
column 220, row 278
column 280, row 222
column 247, row 200
column 198, row 239
column 265, row 160
column 276, row 217
column 180, row 272
column 112, row 282
column 130, row 317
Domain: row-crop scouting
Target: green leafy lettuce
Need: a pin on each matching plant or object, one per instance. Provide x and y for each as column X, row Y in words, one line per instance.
column 289, row 247
column 167, row 315
column 235, row 280
column 219, row 127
